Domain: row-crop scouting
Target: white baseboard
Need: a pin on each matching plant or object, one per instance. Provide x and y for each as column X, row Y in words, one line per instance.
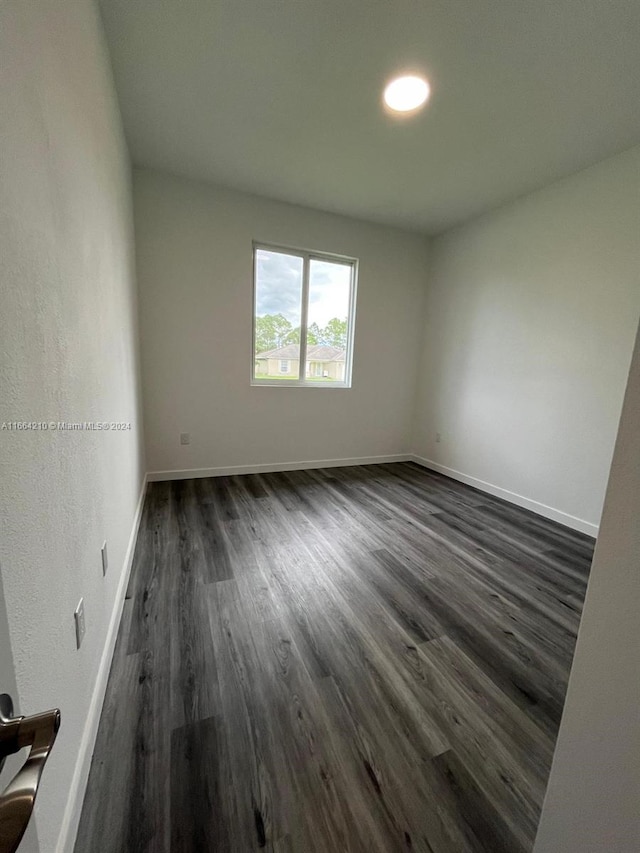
column 527, row 503
column 190, row 473
column 507, row 495
column 71, row 818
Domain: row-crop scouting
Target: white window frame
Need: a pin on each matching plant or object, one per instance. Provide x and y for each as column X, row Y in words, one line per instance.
column 307, row 256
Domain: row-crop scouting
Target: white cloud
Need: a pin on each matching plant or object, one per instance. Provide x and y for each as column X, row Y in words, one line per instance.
column 279, row 288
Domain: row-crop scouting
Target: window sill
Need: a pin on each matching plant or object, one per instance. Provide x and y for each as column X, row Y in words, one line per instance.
column 290, row 383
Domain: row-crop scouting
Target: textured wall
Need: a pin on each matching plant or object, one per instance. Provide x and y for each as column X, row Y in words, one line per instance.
column 530, row 319
column 67, row 353
column 195, row 276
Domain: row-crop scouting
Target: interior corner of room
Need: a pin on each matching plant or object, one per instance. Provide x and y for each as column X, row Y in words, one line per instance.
column 482, row 368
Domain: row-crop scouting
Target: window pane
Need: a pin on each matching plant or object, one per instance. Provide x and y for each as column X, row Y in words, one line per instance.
column 328, row 320
column 278, row 312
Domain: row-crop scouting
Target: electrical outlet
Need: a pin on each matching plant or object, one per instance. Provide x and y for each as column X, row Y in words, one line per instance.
column 185, row 438
column 105, row 558
column 78, row 616
column 438, row 437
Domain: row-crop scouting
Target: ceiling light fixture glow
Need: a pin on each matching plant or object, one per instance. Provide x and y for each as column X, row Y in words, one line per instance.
column 405, row 94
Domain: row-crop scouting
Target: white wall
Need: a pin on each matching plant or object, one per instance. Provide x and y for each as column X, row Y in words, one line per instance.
column 593, row 797
column 67, row 353
column 195, row 277
column 530, row 319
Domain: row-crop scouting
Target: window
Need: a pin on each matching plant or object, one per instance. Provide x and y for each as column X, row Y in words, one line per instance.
column 303, row 318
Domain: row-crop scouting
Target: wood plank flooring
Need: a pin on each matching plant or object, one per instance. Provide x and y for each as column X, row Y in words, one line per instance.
column 352, row 659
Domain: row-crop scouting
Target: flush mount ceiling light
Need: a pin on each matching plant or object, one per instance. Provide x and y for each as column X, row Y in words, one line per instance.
column 406, row 94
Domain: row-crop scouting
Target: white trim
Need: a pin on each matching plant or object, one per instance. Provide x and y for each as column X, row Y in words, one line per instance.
column 296, row 383
column 304, row 319
column 71, row 817
column 512, row 497
column 190, row 473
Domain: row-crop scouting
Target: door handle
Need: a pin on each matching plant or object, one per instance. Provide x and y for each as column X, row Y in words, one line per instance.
column 16, row 801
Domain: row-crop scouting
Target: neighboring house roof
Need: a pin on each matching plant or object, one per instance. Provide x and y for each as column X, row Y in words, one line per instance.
column 314, row 353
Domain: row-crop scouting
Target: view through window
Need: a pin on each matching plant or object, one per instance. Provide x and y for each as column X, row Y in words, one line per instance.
column 303, row 317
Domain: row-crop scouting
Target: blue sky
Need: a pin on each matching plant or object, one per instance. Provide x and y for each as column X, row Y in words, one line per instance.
column 279, row 288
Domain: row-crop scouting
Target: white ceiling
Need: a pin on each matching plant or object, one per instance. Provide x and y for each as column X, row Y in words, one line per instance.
column 283, row 97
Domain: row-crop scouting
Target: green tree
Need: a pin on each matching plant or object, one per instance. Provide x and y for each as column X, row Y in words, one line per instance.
column 334, row 333
column 272, row 331
column 314, row 334
column 293, row 337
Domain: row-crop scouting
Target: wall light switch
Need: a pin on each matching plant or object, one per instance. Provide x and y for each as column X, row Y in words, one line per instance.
column 79, row 620
column 185, row 438
column 105, row 558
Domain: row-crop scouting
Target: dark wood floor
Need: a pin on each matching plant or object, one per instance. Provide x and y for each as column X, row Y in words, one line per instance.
column 354, row 659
